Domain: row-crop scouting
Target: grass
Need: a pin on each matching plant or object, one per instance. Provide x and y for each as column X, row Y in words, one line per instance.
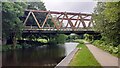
column 84, row 57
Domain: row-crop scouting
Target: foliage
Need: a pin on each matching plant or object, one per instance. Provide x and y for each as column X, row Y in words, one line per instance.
column 40, row 16
column 88, row 37
column 11, row 23
column 42, row 40
column 79, row 41
column 61, row 38
column 25, row 45
column 72, row 37
column 107, row 47
column 86, row 54
column 107, row 21
column 52, row 41
column 10, row 47
column 11, row 14
column 11, row 11
column 18, row 46
column 58, row 39
column 97, row 42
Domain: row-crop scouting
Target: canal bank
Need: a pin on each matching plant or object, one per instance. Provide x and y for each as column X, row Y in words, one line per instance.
column 68, row 58
column 49, row 55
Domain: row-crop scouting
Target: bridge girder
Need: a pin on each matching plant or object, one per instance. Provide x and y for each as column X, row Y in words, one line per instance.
column 78, row 18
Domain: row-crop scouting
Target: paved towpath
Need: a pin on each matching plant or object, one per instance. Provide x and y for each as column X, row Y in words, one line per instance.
column 104, row 58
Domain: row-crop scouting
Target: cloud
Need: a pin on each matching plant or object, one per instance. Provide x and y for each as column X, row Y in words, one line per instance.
column 86, row 7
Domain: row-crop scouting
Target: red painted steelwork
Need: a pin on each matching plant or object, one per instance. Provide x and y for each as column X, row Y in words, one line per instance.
column 69, row 16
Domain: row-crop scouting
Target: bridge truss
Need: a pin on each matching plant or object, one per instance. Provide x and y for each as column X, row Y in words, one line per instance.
column 64, row 21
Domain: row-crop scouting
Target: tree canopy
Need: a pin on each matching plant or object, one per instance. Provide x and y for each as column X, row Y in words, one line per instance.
column 107, row 21
column 12, row 11
column 40, row 16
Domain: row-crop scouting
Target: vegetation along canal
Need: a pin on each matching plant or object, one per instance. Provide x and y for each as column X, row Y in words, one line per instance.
column 47, row 55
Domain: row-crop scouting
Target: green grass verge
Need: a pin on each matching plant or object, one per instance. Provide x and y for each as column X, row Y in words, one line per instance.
column 84, row 58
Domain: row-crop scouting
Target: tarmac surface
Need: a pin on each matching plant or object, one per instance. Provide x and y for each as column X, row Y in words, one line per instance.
column 105, row 59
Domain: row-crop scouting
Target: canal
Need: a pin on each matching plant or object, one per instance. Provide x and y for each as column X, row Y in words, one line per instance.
column 46, row 55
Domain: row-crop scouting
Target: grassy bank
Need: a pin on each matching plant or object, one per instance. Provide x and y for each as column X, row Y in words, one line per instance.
column 84, row 57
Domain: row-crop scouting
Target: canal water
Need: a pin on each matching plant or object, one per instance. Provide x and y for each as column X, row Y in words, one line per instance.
column 47, row 55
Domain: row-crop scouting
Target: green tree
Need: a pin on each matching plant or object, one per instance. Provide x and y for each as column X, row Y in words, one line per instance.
column 40, row 16
column 107, row 21
column 61, row 38
column 11, row 24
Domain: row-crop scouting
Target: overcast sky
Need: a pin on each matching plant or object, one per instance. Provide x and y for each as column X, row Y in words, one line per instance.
column 70, row 6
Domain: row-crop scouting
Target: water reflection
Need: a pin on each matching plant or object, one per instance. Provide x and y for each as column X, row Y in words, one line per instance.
column 48, row 55
column 39, row 56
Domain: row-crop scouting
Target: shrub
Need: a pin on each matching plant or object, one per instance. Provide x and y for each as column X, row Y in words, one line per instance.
column 115, row 50
column 88, row 37
column 107, row 47
column 18, row 46
column 25, row 45
column 10, row 47
column 42, row 40
column 6, row 47
column 97, row 42
column 79, row 41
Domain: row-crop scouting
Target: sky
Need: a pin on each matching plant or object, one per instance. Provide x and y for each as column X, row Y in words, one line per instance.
column 70, row 6
column 76, row 6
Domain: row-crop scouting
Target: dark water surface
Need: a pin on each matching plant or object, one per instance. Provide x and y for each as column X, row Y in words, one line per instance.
column 47, row 55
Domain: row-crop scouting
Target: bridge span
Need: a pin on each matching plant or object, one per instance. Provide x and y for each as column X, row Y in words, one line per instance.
column 59, row 22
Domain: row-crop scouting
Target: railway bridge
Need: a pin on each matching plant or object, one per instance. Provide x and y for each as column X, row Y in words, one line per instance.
column 58, row 22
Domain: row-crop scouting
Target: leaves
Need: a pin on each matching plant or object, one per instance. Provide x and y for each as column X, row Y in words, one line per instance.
column 107, row 20
column 11, row 11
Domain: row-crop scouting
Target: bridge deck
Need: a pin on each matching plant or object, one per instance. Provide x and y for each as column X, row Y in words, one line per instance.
column 65, row 31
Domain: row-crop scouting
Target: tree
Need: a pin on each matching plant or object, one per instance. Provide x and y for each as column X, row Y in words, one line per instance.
column 61, row 38
column 40, row 16
column 107, row 21
column 11, row 11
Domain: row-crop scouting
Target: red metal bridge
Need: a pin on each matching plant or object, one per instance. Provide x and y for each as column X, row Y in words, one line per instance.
column 61, row 21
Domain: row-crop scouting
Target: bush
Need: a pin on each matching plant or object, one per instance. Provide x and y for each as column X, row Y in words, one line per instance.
column 52, row 42
column 107, row 47
column 18, row 46
column 88, row 37
column 42, row 40
column 25, row 45
column 79, row 41
column 6, row 47
column 97, row 42
column 115, row 50
column 10, row 47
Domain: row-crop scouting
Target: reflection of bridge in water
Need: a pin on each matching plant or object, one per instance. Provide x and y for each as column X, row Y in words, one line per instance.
column 61, row 22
